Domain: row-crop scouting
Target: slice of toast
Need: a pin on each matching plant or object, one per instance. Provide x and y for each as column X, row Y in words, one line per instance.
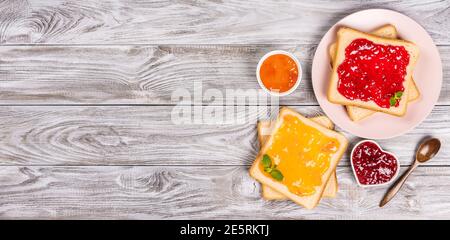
column 345, row 36
column 308, row 201
column 357, row 113
column 264, row 130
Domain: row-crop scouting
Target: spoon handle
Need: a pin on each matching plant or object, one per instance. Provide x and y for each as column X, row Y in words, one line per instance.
column 398, row 184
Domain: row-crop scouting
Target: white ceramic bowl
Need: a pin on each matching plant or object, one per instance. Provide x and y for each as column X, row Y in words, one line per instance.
column 299, row 78
column 374, row 185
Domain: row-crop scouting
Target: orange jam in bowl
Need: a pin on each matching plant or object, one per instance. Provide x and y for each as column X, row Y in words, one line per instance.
column 278, row 73
column 302, row 154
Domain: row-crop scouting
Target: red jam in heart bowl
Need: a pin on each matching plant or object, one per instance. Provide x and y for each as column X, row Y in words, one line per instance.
column 372, row 166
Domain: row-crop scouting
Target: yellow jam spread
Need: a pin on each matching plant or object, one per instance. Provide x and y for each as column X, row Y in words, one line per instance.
column 302, row 154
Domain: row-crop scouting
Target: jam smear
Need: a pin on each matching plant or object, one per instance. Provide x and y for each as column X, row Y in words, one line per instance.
column 373, row 166
column 373, row 72
column 302, row 154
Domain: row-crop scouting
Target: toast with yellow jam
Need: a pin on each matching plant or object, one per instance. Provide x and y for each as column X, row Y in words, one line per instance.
column 298, row 158
column 264, row 130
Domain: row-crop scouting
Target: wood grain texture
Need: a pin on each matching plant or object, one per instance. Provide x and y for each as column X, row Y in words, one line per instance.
column 200, row 22
column 146, row 74
column 153, row 192
column 124, row 158
column 146, row 135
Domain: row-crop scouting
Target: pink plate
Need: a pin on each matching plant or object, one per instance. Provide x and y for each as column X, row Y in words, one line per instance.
column 427, row 75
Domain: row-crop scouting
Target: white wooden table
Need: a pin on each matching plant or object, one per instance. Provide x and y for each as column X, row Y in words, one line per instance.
column 85, row 94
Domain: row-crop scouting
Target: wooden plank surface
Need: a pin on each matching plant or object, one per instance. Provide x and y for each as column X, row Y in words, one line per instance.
column 145, row 74
column 146, row 135
column 85, row 109
column 201, row 22
column 227, row 192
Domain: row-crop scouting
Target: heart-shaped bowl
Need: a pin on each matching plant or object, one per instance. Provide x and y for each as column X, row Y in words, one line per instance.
column 396, row 163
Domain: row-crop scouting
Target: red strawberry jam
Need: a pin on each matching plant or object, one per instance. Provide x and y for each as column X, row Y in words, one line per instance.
column 372, row 165
column 372, row 71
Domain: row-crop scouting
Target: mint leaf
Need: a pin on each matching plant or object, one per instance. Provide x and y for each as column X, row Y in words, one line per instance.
column 277, row 175
column 266, row 161
column 398, row 95
column 392, row 101
column 268, row 169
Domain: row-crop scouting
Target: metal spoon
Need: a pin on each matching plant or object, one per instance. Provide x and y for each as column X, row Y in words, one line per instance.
column 426, row 151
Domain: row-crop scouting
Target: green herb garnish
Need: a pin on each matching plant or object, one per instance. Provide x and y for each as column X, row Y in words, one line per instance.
column 392, row 101
column 270, row 168
column 277, row 175
column 266, row 162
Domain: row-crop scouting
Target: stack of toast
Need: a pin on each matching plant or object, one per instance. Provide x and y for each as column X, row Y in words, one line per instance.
column 320, row 136
column 358, row 109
